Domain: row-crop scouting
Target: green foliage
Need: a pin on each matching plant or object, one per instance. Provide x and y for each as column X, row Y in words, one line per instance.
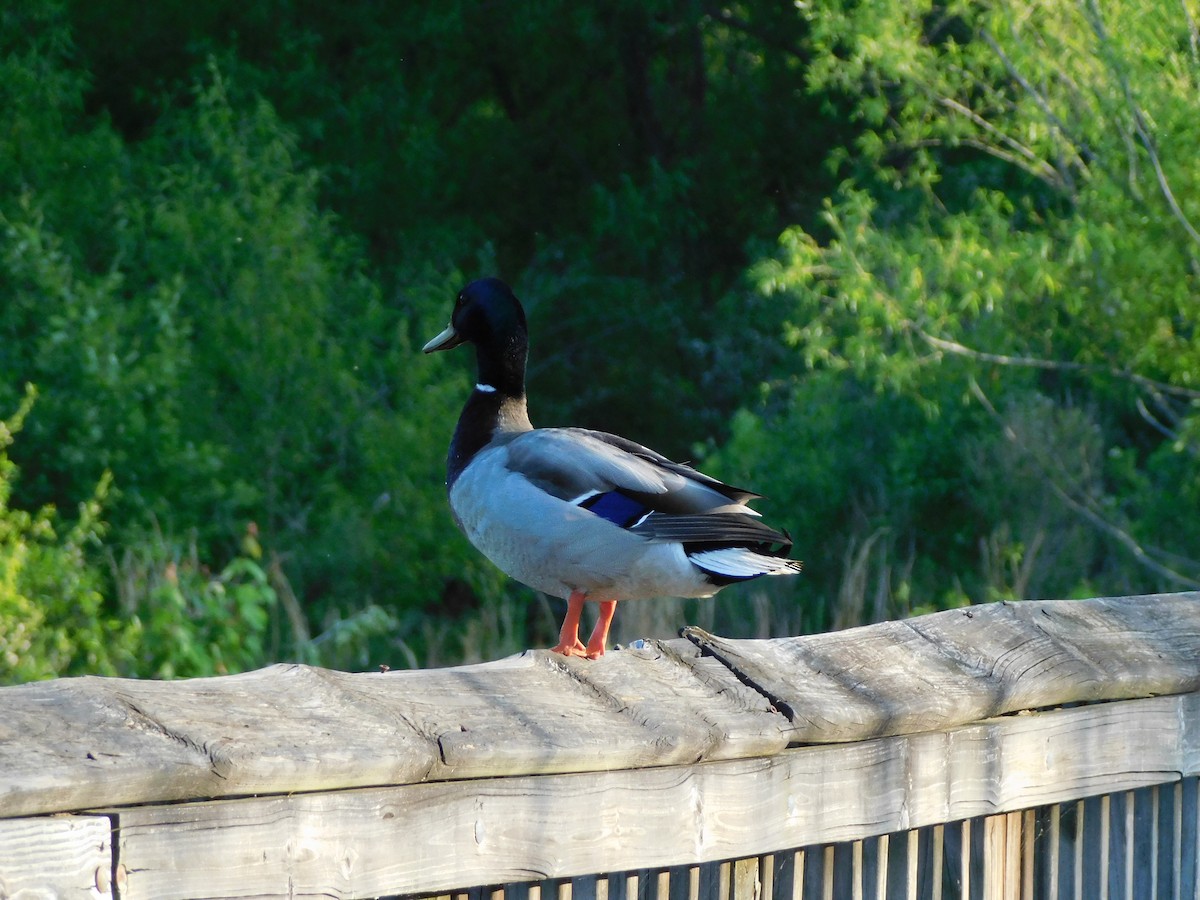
column 1014, row 252
column 612, row 161
column 968, row 370
column 190, row 622
column 52, row 620
column 219, row 351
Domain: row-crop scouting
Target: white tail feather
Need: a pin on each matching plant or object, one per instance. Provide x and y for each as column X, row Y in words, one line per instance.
column 738, row 562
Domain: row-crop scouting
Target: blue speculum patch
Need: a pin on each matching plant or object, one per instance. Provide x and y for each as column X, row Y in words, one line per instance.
column 616, row 508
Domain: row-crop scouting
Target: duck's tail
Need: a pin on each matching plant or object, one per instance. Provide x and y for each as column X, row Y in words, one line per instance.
column 728, row 565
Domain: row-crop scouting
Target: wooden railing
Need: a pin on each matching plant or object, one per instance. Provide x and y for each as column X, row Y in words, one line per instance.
column 1024, row 750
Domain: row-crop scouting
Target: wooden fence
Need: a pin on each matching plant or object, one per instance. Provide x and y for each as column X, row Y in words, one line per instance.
column 1017, row 750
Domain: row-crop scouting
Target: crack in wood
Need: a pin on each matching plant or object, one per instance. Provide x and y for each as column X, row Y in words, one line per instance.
column 707, row 645
column 216, row 763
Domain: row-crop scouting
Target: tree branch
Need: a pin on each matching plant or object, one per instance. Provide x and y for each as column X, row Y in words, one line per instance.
column 1035, row 163
column 1079, row 148
column 1051, row 180
column 1139, row 123
column 1033, row 362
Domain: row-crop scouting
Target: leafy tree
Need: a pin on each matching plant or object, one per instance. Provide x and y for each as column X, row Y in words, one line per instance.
column 217, row 350
column 967, row 371
column 1014, row 251
column 52, row 617
column 615, row 161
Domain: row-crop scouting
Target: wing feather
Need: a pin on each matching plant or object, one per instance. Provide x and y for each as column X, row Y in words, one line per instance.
column 573, row 463
column 726, row 529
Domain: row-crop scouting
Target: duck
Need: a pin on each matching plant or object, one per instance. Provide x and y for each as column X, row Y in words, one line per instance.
column 579, row 514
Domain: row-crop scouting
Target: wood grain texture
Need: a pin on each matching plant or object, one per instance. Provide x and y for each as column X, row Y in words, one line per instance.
column 439, row 837
column 962, row 665
column 60, row 856
column 83, row 743
column 89, row 742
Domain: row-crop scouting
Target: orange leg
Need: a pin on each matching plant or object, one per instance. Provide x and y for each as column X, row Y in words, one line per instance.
column 599, row 639
column 568, row 637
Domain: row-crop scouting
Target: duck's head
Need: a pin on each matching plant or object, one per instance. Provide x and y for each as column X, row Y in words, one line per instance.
column 488, row 315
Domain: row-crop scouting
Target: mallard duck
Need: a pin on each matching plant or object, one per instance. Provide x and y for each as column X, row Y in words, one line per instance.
column 581, row 514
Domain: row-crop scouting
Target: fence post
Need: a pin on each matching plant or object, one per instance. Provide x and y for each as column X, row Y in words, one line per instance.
column 1004, row 868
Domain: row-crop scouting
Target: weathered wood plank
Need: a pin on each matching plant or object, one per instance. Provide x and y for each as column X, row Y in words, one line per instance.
column 437, row 837
column 962, row 665
column 89, row 742
column 56, row 856
column 86, row 742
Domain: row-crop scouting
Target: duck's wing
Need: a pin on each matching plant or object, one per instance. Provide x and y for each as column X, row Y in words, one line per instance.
column 575, row 463
column 626, row 446
column 638, row 489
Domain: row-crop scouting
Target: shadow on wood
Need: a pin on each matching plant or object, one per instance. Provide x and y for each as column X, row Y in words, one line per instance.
column 693, row 752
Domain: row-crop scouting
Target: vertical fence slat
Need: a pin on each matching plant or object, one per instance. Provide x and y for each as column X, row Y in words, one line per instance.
column 993, row 857
column 766, row 877
column 1054, row 854
column 914, row 851
column 1028, row 847
column 1014, row 843
column 1104, row 838
column 798, row 860
column 881, row 866
column 1002, row 843
column 937, row 838
column 964, row 872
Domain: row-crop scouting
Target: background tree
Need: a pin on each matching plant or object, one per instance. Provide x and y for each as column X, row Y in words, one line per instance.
column 968, row 369
column 1014, row 253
